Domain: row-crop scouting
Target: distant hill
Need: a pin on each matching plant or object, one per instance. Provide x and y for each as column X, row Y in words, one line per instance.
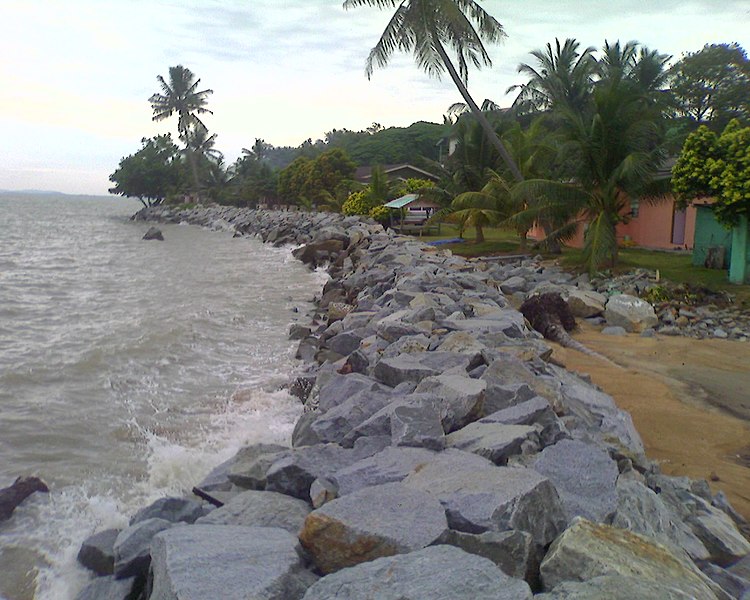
column 34, row 192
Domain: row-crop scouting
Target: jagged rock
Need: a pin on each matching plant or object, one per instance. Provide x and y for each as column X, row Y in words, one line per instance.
column 298, row 332
column 584, row 304
column 344, row 343
column 97, row 552
column 417, row 366
column 371, row 523
column 462, row 398
column 479, row 497
column 171, row 509
column 630, row 312
column 339, row 388
column 583, row 475
column 16, row 493
column 235, row 562
column 493, row 441
column 640, row 510
column 535, row 411
column 732, row 584
column 418, row 424
column 513, row 551
column 334, row 424
column 587, row 550
column 614, row 587
column 132, row 547
column 108, row 588
column 260, row 509
column 391, row 465
column 251, row 464
column 435, row 572
column 498, row 397
column 218, row 478
column 294, row 472
column 154, row 233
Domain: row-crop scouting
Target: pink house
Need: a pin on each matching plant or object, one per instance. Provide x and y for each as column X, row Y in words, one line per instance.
column 659, row 225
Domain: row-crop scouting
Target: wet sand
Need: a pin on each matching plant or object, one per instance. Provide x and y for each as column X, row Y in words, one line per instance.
column 689, row 399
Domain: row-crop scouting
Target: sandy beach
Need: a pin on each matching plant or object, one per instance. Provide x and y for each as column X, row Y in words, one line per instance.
column 690, row 401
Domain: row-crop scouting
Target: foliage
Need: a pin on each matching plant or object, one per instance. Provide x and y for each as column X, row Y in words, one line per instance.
column 412, row 185
column 152, row 173
column 380, row 213
column 313, row 178
column 713, row 85
column 611, row 145
column 358, row 203
column 426, row 27
column 489, row 206
column 719, row 167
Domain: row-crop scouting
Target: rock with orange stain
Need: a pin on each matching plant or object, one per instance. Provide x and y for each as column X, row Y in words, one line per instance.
column 371, row 523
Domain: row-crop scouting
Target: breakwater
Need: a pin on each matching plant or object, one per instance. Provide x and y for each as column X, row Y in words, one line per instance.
column 439, row 454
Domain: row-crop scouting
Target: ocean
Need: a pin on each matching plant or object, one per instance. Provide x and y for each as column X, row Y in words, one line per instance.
column 128, row 369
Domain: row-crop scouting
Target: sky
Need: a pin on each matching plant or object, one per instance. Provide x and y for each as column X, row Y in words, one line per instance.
column 76, row 75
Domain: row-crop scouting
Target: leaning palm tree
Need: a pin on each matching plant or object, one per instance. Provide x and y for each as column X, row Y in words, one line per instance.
column 179, row 96
column 426, row 27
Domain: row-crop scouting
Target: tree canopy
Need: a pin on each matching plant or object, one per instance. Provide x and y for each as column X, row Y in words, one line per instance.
column 716, row 166
column 152, row 173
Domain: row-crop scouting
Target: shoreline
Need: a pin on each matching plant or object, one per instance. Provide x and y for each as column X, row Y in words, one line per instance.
column 423, row 388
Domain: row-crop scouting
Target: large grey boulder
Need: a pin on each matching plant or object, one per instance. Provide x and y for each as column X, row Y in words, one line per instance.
column 391, row 465
column 513, row 551
column 334, row 424
column 133, row 545
column 461, row 397
column 535, row 411
column 587, row 550
column 584, row 304
column 108, row 588
column 339, row 388
column 479, row 497
column 294, row 472
column 493, row 441
column 418, row 423
column 417, row 366
column 641, row 510
column 614, row 587
column 435, row 572
column 235, row 563
column 732, row 584
column 97, row 552
column 371, row 523
column 630, row 312
column 171, row 509
column 584, row 476
column 248, row 470
column 260, row 509
column 499, row 397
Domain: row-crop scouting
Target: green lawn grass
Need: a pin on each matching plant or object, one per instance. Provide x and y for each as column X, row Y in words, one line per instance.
column 676, row 267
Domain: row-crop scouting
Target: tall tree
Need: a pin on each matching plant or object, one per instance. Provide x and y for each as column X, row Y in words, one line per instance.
column 180, row 96
column 426, row 27
column 562, row 77
column 712, row 86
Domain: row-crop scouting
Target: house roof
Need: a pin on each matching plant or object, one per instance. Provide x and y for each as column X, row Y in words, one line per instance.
column 402, row 201
column 365, row 173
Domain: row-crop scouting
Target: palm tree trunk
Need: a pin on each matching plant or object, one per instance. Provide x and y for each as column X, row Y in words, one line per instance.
column 480, row 234
column 485, row 124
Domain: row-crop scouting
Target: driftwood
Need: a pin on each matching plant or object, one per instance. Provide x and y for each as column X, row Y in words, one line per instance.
column 550, row 315
column 21, row 489
column 204, row 495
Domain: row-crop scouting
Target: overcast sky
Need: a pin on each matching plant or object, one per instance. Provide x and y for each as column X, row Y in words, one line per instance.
column 76, row 75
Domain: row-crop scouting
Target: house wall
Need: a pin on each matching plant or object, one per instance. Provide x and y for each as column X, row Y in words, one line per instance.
column 652, row 228
column 708, row 233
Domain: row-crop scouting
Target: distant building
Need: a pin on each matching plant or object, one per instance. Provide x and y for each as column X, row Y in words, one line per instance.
column 400, row 172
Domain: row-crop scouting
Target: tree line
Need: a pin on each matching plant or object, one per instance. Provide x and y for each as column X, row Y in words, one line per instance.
column 584, row 139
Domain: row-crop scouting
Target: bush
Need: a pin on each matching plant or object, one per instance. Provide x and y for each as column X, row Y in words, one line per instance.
column 358, row 203
column 381, row 214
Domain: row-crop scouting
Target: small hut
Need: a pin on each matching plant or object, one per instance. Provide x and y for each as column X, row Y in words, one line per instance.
column 412, row 213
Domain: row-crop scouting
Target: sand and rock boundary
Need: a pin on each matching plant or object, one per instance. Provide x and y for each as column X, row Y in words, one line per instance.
column 440, row 454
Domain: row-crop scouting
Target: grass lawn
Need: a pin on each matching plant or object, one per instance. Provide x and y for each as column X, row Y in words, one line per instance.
column 673, row 266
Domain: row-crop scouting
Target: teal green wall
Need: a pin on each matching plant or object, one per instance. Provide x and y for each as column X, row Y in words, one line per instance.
column 738, row 270
column 709, row 233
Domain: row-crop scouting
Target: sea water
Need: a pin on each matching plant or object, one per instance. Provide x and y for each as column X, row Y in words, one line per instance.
column 128, row 369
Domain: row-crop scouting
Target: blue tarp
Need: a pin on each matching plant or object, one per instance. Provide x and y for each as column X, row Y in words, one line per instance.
column 451, row 241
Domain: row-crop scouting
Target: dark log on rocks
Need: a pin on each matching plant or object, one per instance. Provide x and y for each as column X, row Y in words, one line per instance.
column 21, row 489
column 550, row 315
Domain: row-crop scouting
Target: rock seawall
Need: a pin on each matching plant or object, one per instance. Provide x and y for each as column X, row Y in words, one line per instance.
column 439, row 455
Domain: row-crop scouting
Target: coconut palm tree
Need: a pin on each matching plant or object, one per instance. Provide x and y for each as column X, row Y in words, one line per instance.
column 179, row 96
column 563, row 76
column 489, row 206
column 426, row 27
